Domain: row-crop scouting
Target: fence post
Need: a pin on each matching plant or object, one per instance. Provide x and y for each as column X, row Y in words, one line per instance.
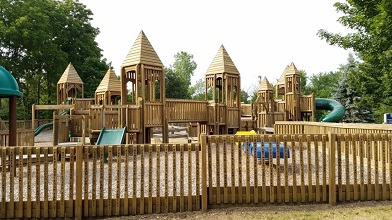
column 204, row 173
column 332, row 170
column 79, row 181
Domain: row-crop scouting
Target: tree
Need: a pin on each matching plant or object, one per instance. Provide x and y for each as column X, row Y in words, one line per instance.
column 178, row 76
column 38, row 38
column 197, row 91
column 322, row 85
column 350, row 98
column 244, row 97
column 371, row 40
column 305, row 90
column 175, row 86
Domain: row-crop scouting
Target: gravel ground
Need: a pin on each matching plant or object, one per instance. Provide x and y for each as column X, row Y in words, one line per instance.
column 266, row 173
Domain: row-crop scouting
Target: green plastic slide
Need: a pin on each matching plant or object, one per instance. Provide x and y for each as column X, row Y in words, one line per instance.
column 111, row 136
column 337, row 109
column 40, row 128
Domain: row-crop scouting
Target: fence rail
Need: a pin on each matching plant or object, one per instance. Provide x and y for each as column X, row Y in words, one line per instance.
column 222, row 171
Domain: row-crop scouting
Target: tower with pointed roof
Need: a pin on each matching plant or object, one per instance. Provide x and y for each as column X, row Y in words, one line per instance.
column 223, row 79
column 288, row 104
column 265, row 104
column 143, row 84
column 69, row 85
column 109, row 90
column 292, row 93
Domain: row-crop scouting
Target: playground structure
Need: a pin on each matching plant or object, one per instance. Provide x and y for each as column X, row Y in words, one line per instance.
column 312, row 163
column 137, row 103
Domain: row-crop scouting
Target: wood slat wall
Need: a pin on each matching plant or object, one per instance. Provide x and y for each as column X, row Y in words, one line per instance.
column 222, row 171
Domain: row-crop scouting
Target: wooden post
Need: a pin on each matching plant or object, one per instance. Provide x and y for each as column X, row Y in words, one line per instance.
column 84, row 130
column 332, row 170
column 33, row 116
column 55, row 130
column 204, row 195
column 12, row 121
column 79, row 182
column 12, row 131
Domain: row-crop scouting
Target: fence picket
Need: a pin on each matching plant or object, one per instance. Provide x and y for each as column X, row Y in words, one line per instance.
column 309, row 140
column 232, row 166
column 317, row 167
column 20, row 180
column 62, row 183
column 3, row 206
column 28, row 202
column 247, row 169
column 255, row 172
column 278, row 182
column 158, row 175
column 286, row 172
column 355, row 161
column 86, row 180
column 71, row 182
column 347, row 141
column 225, row 190
column 376, row 168
column 149, row 204
column 294, row 173
column 38, row 182
column 126, row 180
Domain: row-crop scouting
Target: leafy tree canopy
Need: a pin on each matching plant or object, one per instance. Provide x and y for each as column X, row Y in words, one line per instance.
column 371, row 40
column 38, row 38
column 179, row 75
column 356, row 112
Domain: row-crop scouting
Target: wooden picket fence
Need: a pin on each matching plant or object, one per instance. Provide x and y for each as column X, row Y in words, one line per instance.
column 221, row 171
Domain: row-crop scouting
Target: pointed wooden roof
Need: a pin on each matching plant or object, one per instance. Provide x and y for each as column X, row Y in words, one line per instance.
column 222, row 63
column 110, row 82
column 142, row 52
column 70, row 76
column 292, row 69
column 282, row 77
column 265, row 85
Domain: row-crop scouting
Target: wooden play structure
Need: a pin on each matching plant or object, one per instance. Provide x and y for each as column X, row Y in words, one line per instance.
column 287, row 104
column 136, row 100
column 330, row 162
column 138, row 103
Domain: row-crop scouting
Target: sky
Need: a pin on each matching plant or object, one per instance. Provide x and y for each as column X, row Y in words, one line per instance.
column 261, row 37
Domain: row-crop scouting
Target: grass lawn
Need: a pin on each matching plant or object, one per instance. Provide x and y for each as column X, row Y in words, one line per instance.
column 356, row 210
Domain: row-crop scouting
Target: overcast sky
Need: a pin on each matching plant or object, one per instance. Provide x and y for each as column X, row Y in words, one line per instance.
column 261, row 37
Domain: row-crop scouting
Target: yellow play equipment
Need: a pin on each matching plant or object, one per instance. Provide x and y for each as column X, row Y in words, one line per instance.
column 251, row 132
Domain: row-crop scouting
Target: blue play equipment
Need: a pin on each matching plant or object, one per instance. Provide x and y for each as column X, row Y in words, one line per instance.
column 266, row 146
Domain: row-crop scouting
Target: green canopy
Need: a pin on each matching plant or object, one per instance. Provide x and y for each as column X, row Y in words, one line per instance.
column 8, row 85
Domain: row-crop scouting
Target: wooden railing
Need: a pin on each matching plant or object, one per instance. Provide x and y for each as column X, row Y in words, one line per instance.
column 222, row 171
column 233, row 115
column 108, row 116
column 153, row 114
column 23, row 124
column 292, row 127
column 23, row 138
column 133, row 118
column 83, row 103
column 179, row 110
column 307, row 103
column 217, row 114
column 280, row 106
column 246, row 110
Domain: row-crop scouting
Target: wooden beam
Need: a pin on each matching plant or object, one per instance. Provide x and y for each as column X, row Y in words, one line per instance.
column 53, row 107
